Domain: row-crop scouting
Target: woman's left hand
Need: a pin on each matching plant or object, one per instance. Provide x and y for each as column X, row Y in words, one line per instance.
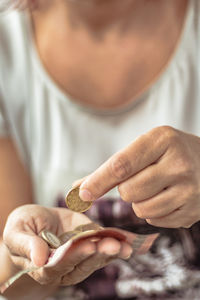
column 22, row 236
column 159, row 173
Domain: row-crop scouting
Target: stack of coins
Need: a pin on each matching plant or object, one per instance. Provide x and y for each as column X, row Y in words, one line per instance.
column 52, row 240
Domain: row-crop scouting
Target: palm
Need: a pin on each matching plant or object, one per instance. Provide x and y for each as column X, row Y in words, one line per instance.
column 68, row 220
column 26, row 224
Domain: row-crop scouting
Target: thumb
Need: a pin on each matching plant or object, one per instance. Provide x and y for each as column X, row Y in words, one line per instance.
column 28, row 246
column 39, row 251
column 78, row 181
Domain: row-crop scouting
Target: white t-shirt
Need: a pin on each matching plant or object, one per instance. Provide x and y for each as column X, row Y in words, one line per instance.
column 61, row 141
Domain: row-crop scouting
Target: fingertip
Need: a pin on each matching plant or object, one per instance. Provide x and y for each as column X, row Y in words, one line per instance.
column 89, row 248
column 86, row 195
column 109, row 246
column 126, row 251
column 39, row 251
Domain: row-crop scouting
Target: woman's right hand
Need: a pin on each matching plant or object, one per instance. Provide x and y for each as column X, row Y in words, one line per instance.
column 28, row 249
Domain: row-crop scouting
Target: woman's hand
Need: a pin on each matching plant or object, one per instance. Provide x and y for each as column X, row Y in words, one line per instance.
column 159, row 173
column 28, row 249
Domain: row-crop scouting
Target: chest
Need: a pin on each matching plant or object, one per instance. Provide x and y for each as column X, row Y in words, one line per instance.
column 109, row 71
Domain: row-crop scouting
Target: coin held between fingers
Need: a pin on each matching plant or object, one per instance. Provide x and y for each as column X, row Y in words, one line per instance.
column 75, row 203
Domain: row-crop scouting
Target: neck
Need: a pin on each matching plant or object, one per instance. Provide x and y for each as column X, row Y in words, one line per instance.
column 99, row 14
column 93, row 14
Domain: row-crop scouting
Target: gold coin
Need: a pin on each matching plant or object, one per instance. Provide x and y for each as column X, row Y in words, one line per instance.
column 74, row 202
column 51, row 239
column 89, row 226
column 84, row 234
column 66, row 236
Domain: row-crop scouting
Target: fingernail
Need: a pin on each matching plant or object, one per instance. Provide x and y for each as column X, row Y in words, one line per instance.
column 129, row 254
column 85, row 195
column 127, row 257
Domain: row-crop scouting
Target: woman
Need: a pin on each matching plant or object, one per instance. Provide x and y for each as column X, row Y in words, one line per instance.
column 107, row 90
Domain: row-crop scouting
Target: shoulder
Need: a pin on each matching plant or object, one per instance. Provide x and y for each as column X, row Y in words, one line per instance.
column 11, row 34
column 195, row 33
column 14, row 55
column 15, row 69
column 13, row 43
column 196, row 9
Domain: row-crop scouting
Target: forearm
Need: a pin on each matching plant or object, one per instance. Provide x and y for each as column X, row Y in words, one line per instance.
column 24, row 288
column 15, row 191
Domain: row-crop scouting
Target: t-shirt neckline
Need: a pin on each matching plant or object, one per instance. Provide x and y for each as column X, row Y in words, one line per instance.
column 63, row 96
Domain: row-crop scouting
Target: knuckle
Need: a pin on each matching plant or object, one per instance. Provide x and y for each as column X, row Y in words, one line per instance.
column 170, row 135
column 165, row 132
column 120, row 167
column 165, row 136
column 191, row 193
column 185, row 168
column 168, row 132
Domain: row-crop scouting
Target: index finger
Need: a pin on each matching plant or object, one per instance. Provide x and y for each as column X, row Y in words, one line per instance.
column 141, row 153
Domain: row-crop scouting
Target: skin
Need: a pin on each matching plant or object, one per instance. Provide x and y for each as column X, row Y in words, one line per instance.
column 115, row 37
column 158, row 173
column 28, row 248
column 93, row 31
column 23, row 247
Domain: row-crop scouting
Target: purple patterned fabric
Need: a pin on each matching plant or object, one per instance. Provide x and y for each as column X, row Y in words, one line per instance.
column 170, row 270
